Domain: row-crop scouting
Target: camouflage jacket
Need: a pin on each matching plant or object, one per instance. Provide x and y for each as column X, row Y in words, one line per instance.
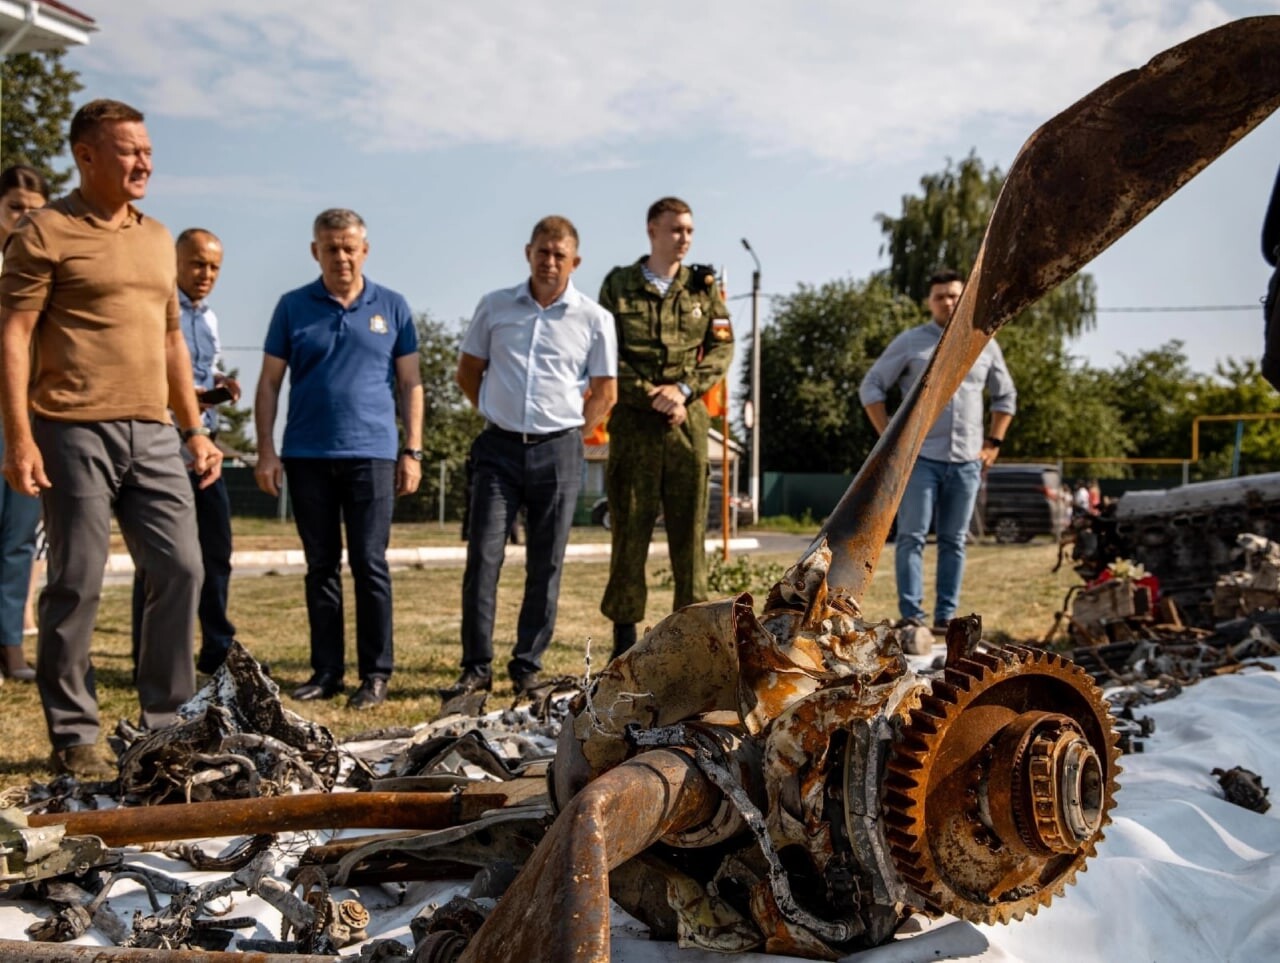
column 682, row 337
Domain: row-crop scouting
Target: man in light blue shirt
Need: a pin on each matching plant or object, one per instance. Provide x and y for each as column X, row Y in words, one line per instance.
column 948, row 471
column 527, row 357
column 199, row 255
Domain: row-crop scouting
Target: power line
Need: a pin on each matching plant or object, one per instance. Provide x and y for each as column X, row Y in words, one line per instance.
column 1182, row 309
column 1123, row 309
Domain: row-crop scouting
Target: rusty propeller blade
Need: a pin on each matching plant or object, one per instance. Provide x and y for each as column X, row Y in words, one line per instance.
column 1078, row 184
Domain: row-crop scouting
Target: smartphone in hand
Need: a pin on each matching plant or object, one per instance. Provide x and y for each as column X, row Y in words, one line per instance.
column 214, row 396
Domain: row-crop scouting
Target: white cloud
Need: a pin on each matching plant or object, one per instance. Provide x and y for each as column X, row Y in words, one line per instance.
column 839, row 81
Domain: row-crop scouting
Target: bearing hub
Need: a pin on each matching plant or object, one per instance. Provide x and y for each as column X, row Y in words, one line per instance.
column 1000, row 784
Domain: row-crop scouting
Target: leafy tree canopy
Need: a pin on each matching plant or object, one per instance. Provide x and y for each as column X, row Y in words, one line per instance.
column 449, row 422
column 37, row 91
column 819, row 344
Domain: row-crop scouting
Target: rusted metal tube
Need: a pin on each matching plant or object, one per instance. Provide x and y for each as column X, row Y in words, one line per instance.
column 1157, row 127
column 20, row 951
column 276, row 814
column 558, row 907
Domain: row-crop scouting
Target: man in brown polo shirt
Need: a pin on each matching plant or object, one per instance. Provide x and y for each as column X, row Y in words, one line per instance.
column 91, row 282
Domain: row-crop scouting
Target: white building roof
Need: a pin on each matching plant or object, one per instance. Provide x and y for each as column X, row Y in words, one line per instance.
column 30, row 25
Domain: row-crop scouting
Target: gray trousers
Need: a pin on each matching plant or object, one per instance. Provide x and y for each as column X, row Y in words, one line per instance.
column 134, row 469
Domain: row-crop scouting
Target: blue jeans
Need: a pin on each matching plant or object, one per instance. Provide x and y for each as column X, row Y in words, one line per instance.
column 507, row 474
column 19, row 514
column 950, row 488
column 325, row 493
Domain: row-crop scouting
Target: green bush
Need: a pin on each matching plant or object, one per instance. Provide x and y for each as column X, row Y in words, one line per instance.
column 742, row 574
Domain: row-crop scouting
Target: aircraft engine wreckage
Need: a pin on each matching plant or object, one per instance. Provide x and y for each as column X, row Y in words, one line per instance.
column 825, row 791
column 787, row 782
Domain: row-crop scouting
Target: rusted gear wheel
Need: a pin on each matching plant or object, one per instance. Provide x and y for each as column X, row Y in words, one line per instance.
column 1000, row 783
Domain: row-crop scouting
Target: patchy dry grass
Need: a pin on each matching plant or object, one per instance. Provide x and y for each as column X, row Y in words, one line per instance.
column 1011, row 586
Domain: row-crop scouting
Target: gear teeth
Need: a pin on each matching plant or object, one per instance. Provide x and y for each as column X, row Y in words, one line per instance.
column 988, row 662
column 909, row 771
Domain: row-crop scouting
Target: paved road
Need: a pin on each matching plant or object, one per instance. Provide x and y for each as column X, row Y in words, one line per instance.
column 120, row 566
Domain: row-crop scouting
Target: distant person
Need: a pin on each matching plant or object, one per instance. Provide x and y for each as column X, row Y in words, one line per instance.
column 955, row 452
column 91, row 282
column 1271, row 309
column 22, row 189
column 674, row 344
column 1082, row 500
column 199, row 254
column 351, row 348
column 527, row 353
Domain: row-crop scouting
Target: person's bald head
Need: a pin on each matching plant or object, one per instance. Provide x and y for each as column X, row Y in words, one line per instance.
column 199, row 261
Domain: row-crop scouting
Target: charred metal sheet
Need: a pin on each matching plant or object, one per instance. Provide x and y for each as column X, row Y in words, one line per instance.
column 1244, row 788
column 234, row 740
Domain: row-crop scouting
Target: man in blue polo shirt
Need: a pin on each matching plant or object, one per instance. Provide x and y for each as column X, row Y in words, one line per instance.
column 351, row 348
column 526, row 358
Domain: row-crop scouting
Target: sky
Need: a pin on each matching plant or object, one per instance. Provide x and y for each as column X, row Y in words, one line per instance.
column 453, row 127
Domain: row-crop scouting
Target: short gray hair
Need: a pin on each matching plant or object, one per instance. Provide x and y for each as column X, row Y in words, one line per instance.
column 338, row 219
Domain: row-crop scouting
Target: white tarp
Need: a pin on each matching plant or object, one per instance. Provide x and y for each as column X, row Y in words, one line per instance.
column 1183, row 875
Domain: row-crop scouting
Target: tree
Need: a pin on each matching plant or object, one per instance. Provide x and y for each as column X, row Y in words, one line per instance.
column 37, row 92
column 234, row 422
column 1238, row 387
column 818, row 345
column 1063, row 407
column 944, row 227
column 450, row 424
column 1156, row 395
column 941, row 227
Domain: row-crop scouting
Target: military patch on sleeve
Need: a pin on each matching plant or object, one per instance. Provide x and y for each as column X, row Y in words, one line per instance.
column 702, row 276
column 721, row 329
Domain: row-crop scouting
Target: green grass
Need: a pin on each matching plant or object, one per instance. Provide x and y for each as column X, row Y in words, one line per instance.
column 806, row 524
column 1010, row 586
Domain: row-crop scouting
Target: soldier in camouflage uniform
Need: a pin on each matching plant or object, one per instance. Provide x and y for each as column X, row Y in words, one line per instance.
column 674, row 344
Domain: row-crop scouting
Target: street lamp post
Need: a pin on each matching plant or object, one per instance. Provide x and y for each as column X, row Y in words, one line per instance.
column 755, row 384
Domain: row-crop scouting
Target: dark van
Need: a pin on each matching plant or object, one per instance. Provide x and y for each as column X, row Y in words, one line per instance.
column 1018, row 502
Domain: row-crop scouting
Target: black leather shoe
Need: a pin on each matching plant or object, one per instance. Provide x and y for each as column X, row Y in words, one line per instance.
column 322, row 685
column 372, row 692
column 210, row 662
column 525, row 682
column 471, row 680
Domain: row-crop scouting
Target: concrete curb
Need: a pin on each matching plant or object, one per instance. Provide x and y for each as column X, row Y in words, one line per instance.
column 122, row 564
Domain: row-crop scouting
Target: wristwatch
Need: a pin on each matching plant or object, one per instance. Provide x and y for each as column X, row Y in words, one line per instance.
column 685, row 390
column 189, row 433
column 414, row 453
